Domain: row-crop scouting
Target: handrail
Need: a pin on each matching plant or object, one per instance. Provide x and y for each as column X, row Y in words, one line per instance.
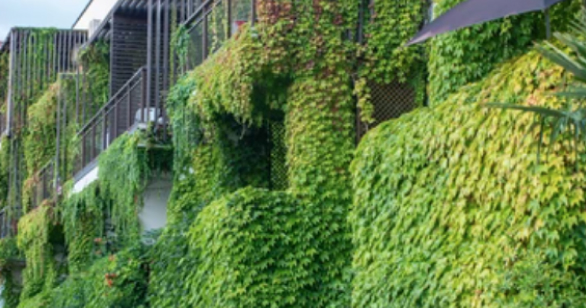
column 127, row 109
column 113, row 100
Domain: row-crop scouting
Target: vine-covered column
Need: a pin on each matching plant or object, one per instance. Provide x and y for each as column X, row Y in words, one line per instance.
column 320, row 139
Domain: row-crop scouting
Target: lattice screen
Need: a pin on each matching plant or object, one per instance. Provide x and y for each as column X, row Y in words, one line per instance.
column 390, row 101
column 278, row 157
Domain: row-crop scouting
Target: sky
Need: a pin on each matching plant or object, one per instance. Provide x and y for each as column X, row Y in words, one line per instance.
column 38, row 13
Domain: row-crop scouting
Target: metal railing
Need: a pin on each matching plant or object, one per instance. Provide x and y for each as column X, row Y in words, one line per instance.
column 213, row 22
column 44, row 186
column 125, row 110
column 6, row 226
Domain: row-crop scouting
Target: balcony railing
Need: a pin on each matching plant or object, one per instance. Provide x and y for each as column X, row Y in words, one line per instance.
column 44, row 185
column 126, row 110
column 213, row 22
column 6, row 225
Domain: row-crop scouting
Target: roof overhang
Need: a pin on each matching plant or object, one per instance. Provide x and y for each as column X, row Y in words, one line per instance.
column 130, row 8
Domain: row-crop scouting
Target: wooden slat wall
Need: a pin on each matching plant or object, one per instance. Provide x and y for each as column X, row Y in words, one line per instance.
column 128, row 50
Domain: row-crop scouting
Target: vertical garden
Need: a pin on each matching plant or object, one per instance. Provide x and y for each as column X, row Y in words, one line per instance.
column 277, row 203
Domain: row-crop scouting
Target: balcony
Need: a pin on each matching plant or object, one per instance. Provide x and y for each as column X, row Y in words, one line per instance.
column 126, row 111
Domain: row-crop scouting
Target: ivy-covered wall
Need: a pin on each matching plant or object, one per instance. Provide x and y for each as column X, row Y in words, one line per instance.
column 236, row 239
column 253, row 248
column 452, row 208
column 118, row 280
column 297, row 65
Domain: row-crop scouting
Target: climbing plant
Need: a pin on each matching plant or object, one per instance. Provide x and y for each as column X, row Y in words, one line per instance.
column 118, row 280
column 40, row 139
column 10, row 257
column 124, row 171
column 95, row 61
column 34, row 240
column 452, row 208
column 300, row 69
column 82, row 215
column 382, row 57
column 253, row 248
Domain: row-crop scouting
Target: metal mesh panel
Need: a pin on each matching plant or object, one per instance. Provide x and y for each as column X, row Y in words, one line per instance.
column 278, row 157
column 390, row 101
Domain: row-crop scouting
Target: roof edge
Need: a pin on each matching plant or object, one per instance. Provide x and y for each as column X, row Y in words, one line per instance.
column 87, row 6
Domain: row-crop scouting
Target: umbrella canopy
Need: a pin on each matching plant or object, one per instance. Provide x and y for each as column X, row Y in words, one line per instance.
column 474, row 12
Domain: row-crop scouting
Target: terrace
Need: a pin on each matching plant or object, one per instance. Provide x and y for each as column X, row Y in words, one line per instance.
column 138, row 36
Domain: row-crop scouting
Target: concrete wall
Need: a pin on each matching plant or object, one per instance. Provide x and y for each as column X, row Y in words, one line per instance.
column 154, row 212
column 156, row 195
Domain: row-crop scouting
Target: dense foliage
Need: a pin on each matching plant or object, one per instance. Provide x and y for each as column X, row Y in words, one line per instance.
column 253, row 249
column 467, row 55
column 452, row 208
column 40, row 140
column 95, row 61
column 34, row 239
column 82, row 215
column 10, row 259
column 115, row 281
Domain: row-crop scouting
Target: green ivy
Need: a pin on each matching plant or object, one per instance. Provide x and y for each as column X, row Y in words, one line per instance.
column 382, row 57
column 82, row 215
column 124, row 170
column 451, row 207
column 10, row 257
column 34, row 240
column 41, row 300
column 253, row 248
column 301, row 69
column 114, row 281
column 468, row 55
column 95, row 60
column 40, row 139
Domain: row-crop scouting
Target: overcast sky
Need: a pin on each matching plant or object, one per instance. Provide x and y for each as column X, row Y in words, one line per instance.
column 38, row 13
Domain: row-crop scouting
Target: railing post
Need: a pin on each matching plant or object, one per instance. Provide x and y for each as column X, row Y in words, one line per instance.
column 93, row 144
column 105, row 141
column 145, row 97
column 205, row 33
column 129, row 108
column 114, row 129
column 147, row 88
column 253, row 17
column 229, row 19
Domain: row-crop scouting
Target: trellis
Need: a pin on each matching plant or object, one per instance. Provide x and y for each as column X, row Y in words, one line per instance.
column 36, row 57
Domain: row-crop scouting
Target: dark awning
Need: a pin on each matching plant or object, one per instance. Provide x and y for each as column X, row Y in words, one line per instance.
column 474, row 12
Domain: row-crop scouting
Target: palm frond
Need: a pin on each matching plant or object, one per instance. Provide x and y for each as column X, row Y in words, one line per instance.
column 572, row 116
